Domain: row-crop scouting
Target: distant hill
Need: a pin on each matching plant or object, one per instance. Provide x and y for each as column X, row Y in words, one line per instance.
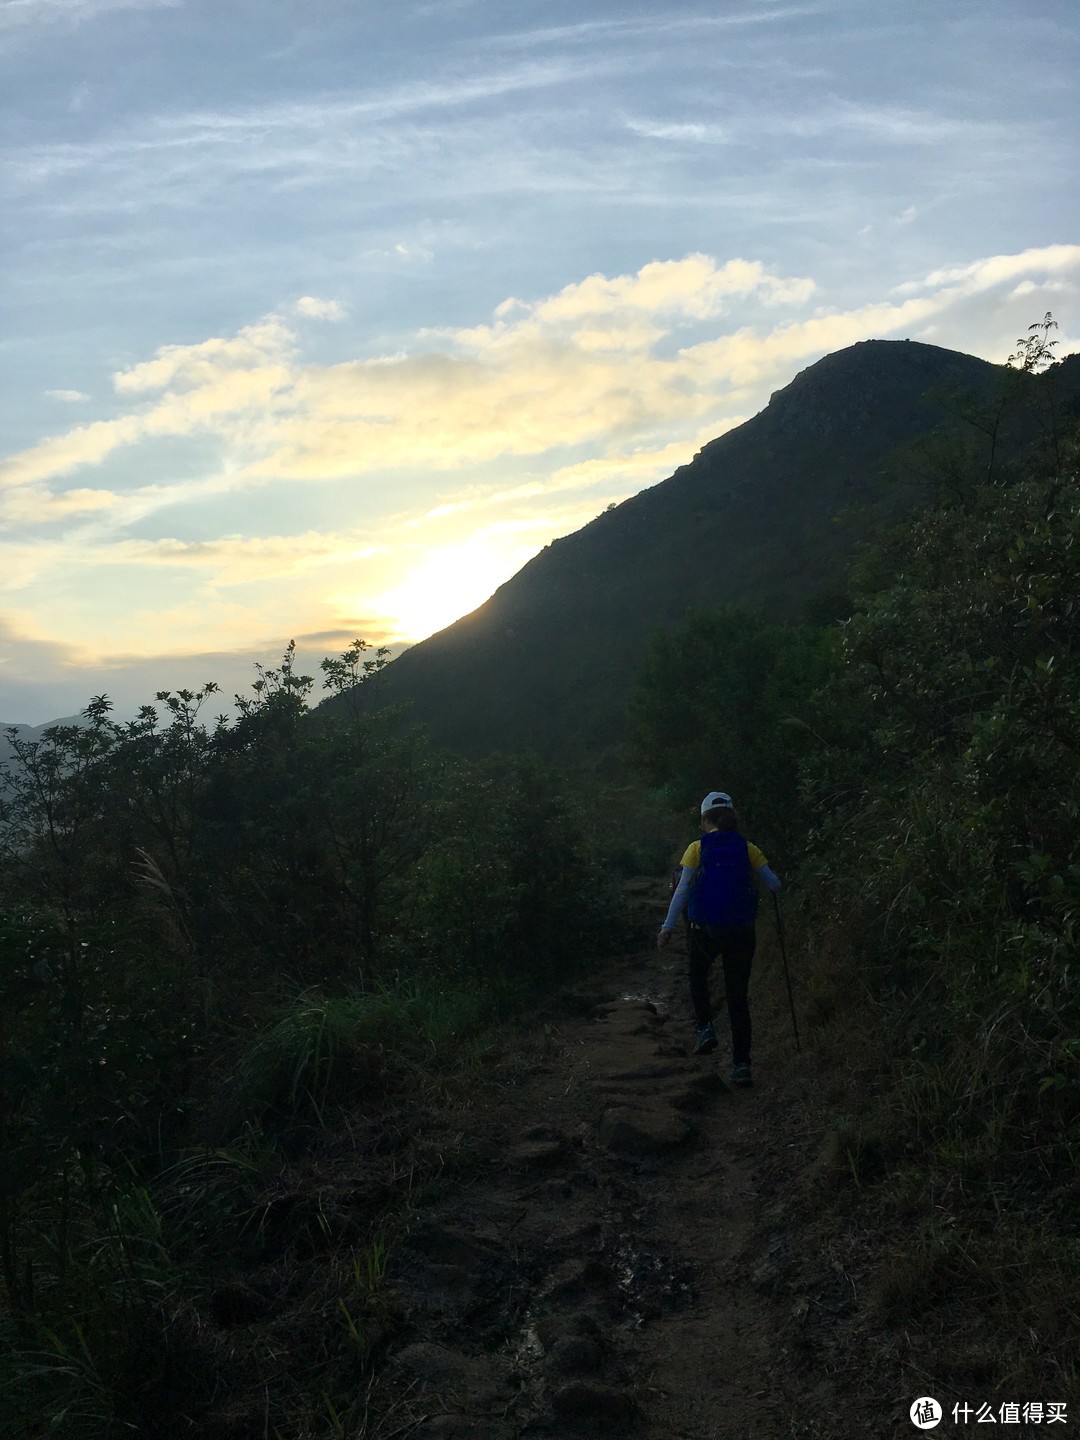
column 30, row 732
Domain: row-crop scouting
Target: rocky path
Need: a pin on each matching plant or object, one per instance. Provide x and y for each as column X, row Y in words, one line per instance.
column 629, row 1258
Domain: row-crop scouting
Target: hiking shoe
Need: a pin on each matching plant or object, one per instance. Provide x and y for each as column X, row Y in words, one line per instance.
column 740, row 1075
column 706, row 1040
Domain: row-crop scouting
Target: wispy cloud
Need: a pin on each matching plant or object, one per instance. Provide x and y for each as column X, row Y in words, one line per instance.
column 69, row 397
column 322, row 128
column 873, row 125
column 239, row 560
column 655, row 28
column 454, row 137
column 691, row 131
column 37, row 505
column 26, row 12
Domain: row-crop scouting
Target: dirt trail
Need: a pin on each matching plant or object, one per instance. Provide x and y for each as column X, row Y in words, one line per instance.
column 629, row 1260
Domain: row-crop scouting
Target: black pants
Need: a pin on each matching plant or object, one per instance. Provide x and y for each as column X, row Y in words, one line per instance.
column 735, row 945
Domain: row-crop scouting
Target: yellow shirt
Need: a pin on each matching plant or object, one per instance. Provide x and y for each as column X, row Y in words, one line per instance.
column 692, row 859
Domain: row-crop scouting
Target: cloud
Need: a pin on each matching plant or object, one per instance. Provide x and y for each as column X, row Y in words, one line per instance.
column 69, row 397
column 883, row 124
column 692, row 131
column 750, row 356
column 208, row 565
column 619, row 475
column 610, row 362
column 980, row 275
column 1047, row 287
column 535, row 419
column 695, row 288
column 413, row 252
column 543, row 374
column 192, row 365
column 35, row 505
column 60, row 454
column 315, row 309
column 239, row 560
column 317, row 160
column 205, row 384
column 653, row 29
column 334, row 134
column 26, row 12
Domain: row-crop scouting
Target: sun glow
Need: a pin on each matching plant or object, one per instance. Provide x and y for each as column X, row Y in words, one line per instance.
column 450, row 582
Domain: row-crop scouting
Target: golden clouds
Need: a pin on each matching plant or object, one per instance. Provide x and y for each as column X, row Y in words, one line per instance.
column 999, row 269
column 598, row 364
column 579, row 367
column 695, row 287
column 462, row 453
column 218, row 382
column 35, row 505
column 188, row 367
column 239, row 560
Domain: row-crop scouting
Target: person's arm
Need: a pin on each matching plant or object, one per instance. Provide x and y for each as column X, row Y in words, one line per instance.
column 678, row 903
column 761, row 868
column 769, row 877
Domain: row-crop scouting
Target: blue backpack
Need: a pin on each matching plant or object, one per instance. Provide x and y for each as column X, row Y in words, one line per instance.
column 724, row 892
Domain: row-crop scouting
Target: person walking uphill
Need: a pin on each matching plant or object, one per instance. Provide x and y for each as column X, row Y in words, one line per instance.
column 718, row 882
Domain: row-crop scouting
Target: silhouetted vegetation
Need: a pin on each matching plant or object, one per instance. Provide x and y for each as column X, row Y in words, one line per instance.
column 921, row 761
column 729, row 694
column 225, row 950
column 943, row 875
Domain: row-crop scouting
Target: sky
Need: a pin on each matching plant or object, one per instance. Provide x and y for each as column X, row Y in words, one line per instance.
column 320, row 318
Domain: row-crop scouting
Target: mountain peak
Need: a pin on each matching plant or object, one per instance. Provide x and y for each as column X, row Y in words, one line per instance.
column 548, row 660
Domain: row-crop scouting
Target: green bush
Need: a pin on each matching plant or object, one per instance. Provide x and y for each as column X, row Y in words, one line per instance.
column 512, row 886
column 162, row 885
column 727, row 699
column 357, row 1049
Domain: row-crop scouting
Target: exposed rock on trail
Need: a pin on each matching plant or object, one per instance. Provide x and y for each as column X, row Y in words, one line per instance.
column 614, row 1267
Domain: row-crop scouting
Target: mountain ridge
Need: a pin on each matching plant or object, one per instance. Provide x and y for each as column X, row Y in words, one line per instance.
column 546, row 662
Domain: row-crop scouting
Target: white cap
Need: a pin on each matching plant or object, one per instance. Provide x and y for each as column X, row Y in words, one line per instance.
column 716, row 800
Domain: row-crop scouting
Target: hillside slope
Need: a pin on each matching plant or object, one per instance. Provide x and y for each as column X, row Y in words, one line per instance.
column 547, row 661
column 29, row 733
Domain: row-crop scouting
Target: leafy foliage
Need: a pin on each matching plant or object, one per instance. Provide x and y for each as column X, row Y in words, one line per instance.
column 511, row 883
column 930, row 789
column 217, row 944
column 962, row 801
column 726, row 699
column 943, row 880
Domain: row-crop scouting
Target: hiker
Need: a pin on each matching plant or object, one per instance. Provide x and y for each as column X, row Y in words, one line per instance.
column 722, row 908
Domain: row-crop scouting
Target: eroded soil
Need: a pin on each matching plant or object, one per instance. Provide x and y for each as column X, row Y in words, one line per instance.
column 637, row 1253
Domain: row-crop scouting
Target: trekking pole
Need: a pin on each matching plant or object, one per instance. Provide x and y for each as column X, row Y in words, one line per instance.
column 787, row 977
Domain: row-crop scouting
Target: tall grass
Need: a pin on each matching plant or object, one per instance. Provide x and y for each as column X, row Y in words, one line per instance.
column 358, row 1048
